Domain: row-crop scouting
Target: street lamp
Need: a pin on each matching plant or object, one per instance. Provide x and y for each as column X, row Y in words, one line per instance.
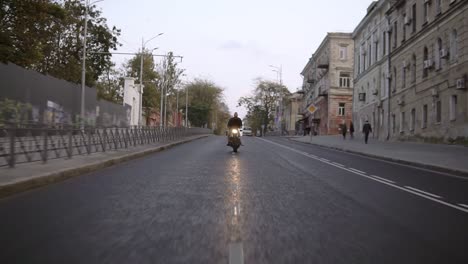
column 143, row 43
column 83, row 70
column 279, row 70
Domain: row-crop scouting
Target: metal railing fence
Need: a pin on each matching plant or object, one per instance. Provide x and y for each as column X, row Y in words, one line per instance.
column 26, row 144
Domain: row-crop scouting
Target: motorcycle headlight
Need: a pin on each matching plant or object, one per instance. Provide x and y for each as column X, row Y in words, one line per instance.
column 234, row 131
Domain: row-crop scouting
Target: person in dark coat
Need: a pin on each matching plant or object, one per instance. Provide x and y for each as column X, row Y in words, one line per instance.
column 344, row 129
column 351, row 129
column 234, row 122
column 366, row 129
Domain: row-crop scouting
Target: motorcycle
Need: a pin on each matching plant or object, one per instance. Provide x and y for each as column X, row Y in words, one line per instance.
column 234, row 139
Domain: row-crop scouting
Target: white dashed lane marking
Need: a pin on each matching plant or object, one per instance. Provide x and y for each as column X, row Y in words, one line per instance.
column 408, row 189
column 421, row 191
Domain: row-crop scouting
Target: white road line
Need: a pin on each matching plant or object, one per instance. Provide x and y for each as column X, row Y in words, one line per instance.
column 313, row 156
column 338, row 164
column 325, row 160
column 460, row 208
column 357, row 170
column 383, row 179
column 463, row 205
column 421, row 191
column 236, row 253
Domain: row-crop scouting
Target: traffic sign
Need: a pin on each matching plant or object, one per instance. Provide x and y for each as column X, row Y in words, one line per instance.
column 312, row 108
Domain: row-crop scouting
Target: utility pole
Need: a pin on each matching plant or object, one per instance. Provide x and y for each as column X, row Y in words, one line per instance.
column 177, row 108
column 186, row 106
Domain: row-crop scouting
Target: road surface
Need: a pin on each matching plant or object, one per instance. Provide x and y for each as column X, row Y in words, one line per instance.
column 275, row 201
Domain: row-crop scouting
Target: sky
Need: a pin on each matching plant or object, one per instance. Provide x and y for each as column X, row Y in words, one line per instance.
column 233, row 42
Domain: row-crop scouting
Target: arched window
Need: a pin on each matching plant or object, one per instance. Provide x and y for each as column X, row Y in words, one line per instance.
column 425, row 59
column 454, row 45
column 413, row 69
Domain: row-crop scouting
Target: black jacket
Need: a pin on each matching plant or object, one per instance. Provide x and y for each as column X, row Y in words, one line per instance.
column 235, row 122
column 366, row 128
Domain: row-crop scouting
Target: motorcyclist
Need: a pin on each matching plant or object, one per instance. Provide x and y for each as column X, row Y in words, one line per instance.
column 234, row 122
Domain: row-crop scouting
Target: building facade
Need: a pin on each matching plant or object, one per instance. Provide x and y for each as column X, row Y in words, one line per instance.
column 371, row 75
column 291, row 113
column 429, row 65
column 328, row 84
column 131, row 97
column 426, row 70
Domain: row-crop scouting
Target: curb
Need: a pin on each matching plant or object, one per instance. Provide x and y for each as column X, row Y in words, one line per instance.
column 61, row 175
column 400, row 161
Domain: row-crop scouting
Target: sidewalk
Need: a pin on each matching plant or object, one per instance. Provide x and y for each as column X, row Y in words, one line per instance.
column 446, row 158
column 32, row 175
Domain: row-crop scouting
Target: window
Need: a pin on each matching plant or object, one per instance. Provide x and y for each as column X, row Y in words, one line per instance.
column 345, row 80
column 358, row 61
column 438, row 111
column 413, row 119
column 382, row 118
column 376, row 56
column 393, row 123
column 413, row 17
column 403, row 76
column 370, row 54
column 402, row 122
column 454, row 45
column 383, row 90
column 437, row 53
column 425, row 58
column 343, row 53
column 438, row 7
column 384, row 43
column 403, row 27
column 341, row 109
column 395, row 34
column 426, row 12
column 363, row 57
column 453, row 107
column 424, row 117
column 413, row 68
column 394, row 80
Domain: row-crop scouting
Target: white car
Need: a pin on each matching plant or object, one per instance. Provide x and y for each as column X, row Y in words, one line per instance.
column 247, row 131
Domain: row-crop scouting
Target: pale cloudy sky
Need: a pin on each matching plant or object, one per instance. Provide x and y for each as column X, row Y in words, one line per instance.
column 234, row 42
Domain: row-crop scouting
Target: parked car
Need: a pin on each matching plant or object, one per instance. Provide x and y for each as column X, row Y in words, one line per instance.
column 247, row 131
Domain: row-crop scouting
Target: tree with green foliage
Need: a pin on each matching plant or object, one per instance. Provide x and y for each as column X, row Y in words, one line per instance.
column 169, row 78
column 262, row 103
column 151, row 80
column 110, row 85
column 47, row 36
column 206, row 105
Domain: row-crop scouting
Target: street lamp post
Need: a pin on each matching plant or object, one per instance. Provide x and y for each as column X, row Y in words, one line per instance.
column 279, row 70
column 143, row 43
column 83, row 70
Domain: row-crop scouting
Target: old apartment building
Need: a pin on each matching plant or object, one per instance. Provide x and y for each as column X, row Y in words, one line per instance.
column 371, row 50
column 423, row 78
column 328, row 84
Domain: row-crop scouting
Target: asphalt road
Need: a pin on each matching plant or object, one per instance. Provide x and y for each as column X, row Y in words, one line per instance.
column 275, row 201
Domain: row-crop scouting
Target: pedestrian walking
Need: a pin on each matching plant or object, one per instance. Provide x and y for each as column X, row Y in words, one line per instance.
column 351, row 129
column 344, row 129
column 366, row 129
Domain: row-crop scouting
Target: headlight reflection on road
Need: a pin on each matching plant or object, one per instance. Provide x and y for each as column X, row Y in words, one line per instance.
column 236, row 254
